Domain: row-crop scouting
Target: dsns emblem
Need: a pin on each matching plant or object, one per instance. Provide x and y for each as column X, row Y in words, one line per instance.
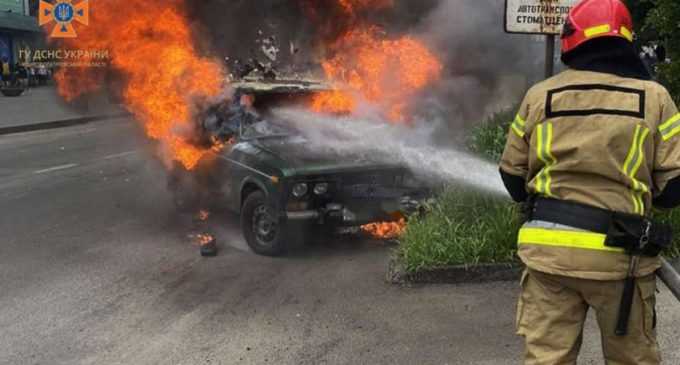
column 63, row 13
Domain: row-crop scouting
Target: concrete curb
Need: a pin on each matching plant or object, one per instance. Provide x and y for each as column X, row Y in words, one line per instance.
column 482, row 273
column 474, row 274
column 59, row 123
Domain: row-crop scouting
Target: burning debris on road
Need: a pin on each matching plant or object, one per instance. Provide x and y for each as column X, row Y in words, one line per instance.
column 207, row 243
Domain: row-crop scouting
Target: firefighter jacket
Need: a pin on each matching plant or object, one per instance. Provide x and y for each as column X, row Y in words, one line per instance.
column 597, row 139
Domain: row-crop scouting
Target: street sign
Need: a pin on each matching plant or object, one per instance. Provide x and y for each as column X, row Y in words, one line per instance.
column 536, row 16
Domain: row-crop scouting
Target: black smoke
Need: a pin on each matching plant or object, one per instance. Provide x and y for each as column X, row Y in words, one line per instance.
column 485, row 68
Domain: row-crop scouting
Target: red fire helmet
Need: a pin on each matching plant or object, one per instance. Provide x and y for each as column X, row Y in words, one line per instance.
column 591, row 19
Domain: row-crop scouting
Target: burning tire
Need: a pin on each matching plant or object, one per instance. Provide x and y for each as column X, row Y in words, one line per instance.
column 264, row 231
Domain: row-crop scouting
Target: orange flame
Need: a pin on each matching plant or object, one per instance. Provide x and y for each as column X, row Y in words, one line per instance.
column 151, row 48
column 386, row 230
column 334, row 102
column 203, row 239
column 351, row 6
column 218, row 145
column 385, row 72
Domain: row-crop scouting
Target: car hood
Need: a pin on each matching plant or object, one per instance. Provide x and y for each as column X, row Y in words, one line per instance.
column 294, row 157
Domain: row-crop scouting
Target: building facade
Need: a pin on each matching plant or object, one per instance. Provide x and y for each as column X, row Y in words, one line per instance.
column 18, row 29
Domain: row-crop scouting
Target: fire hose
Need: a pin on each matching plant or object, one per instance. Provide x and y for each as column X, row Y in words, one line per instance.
column 670, row 276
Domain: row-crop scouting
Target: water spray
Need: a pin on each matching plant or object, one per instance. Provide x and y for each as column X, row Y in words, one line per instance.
column 411, row 146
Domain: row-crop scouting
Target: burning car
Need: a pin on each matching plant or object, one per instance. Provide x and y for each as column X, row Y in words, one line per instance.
column 266, row 173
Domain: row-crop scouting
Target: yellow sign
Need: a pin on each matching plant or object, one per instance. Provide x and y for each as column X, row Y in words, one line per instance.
column 62, row 13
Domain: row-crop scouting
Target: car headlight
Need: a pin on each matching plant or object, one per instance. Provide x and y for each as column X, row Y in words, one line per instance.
column 321, row 189
column 300, row 190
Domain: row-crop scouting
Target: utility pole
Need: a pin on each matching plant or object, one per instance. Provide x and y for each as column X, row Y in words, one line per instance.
column 549, row 55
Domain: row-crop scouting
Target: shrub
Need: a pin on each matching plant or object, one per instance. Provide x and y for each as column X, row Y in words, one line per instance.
column 488, row 139
column 657, row 23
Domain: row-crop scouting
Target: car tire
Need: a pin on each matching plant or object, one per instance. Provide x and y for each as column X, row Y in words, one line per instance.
column 263, row 229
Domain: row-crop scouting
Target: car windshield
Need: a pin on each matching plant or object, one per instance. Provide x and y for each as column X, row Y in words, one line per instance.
column 265, row 129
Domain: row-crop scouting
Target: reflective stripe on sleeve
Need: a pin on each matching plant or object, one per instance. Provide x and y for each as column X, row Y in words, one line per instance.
column 562, row 238
column 544, row 133
column 670, row 128
column 518, row 126
column 632, row 165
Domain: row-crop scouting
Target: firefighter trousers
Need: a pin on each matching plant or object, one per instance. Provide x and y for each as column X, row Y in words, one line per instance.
column 552, row 310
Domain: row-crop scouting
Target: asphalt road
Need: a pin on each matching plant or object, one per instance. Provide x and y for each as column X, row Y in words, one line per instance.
column 95, row 268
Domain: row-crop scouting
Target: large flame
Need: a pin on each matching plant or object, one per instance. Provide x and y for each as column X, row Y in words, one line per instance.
column 364, row 63
column 151, row 48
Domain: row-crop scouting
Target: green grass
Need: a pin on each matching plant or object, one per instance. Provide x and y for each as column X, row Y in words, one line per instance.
column 462, row 227
column 466, row 228
column 671, row 217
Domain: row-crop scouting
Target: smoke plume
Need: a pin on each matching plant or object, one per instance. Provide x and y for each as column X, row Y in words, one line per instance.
column 487, row 68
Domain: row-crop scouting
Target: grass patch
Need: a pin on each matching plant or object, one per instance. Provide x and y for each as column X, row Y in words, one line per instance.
column 461, row 227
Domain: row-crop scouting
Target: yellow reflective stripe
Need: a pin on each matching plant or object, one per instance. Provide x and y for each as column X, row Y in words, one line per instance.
column 670, row 128
column 640, row 188
column 551, row 158
column 636, row 203
column 517, row 131
column 543, row 146
column 632, row 165
column 669, row 122
column 627, row 33
column 539, row 154
column 627, row 163
column 562, row 238
column 640, row 155
column 597, row 30
column 518, row 126
column 631, row 151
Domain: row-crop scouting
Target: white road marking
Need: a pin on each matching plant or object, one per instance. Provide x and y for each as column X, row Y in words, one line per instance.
column 118, row 155
column 56, row 168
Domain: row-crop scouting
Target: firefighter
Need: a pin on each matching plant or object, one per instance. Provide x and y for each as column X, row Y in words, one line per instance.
column 590, row 151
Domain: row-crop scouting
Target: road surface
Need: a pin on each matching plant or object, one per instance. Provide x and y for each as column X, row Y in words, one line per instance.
column 95, row 268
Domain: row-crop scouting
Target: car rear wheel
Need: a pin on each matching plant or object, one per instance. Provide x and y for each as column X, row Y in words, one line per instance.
column 262, row 227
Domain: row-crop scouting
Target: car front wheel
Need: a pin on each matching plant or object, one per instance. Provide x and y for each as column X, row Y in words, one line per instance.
column 262, row 227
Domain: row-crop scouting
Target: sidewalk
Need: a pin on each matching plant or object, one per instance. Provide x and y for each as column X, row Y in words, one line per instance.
column 41, row 108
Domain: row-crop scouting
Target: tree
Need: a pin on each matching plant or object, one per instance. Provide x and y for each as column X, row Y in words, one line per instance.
column 658, row 22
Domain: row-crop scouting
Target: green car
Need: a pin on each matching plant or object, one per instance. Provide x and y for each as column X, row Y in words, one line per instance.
column 278, row 186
